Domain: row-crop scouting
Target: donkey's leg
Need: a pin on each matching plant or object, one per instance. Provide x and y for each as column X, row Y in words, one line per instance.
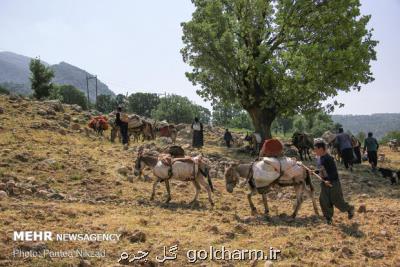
column 168, row 191
column 265, row 201
column 207, row 187
column 197, row 188
column 310, row 194
column 154, row 188
column 252, row 207
column 299, row 188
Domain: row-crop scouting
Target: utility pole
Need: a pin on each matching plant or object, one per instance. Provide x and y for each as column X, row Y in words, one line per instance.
column 87, row 86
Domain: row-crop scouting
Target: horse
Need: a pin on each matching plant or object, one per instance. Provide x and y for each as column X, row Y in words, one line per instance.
column 299, row 182
column 303, row 142
column 183, row 169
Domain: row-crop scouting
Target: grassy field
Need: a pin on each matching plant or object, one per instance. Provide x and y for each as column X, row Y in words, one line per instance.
column 44, row 157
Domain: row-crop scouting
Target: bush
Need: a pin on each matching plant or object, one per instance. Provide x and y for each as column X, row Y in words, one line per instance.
column 4, row 91
column 68, row 94
column 389, row 136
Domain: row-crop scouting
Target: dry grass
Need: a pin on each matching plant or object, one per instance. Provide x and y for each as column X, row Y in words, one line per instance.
column 99, row 200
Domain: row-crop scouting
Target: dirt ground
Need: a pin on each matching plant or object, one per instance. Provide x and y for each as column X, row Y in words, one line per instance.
column 59, row 179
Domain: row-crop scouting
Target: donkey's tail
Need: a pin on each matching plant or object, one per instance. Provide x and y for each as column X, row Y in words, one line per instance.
column 210, row 182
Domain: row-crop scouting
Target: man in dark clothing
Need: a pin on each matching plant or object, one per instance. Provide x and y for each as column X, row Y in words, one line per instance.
column 197, row 128
column 123, row 126
column 343, row 142
column 228, row 138
column 357, row 150
column 331, row 190
column 372, row 146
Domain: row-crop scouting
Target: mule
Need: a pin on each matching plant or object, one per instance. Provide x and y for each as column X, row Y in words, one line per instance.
column 194, row 170
column 303, row 142
column 301, row 183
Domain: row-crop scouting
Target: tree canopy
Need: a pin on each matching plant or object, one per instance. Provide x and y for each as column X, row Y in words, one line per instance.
column 179, row 109
column 143, row 103
column 68, row 94
column 277, row 57
column 41, row 77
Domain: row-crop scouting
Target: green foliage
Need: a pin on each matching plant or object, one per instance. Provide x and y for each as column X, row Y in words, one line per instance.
column 315, row 123
column 142, row 103
column 41, row 77
column 179, row 109
column 389, row 136
column 4, row 91
column 105, row 103
column 68, row 94
column 277, row 57
column 120, row 100
column 361, row 137
column 230, row 116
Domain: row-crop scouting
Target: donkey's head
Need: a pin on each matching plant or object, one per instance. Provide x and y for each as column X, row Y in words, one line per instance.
column 231, row 177
column 139, row 164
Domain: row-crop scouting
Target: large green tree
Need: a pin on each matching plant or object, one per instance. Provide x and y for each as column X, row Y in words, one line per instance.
column 68, row 94
column 143, row 103
column 277, row 57
column 179, row 109
column 41, row 77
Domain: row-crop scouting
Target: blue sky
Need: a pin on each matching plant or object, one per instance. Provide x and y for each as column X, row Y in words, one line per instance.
column 134, row 45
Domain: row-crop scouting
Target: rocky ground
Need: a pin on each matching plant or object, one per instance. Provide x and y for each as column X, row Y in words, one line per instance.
column 56, row 176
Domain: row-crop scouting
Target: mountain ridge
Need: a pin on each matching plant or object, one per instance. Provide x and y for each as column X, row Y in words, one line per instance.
column 14, row 74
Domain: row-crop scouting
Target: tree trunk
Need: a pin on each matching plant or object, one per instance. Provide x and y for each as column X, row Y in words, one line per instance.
column 262, row 121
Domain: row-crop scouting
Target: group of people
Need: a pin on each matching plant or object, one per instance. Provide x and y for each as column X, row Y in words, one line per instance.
column 350, row 149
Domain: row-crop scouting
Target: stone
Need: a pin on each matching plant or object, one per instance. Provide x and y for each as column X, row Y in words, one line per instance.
column 137, row 236
column 62, row 132
column 3, row 195
column 75, row 127
column 76, row 108
column 123, row 170
column 67, row 117
column 41, row 112
column 23, row 157
column 55, row 104
column 362, row 208
column 84, row 263
column 56, row 196
column 374, row 254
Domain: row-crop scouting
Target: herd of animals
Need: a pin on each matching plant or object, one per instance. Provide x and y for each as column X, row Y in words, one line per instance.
column 175, row 165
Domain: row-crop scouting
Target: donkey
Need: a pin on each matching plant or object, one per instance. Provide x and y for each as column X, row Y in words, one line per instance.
column 183, row 169
column 299, row 182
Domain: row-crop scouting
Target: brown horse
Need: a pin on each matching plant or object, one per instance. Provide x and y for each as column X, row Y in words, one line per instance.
column 299, row 182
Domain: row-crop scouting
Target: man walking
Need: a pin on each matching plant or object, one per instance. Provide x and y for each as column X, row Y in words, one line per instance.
column 343, row 142
column 228, row 138
column 121, row 121
column 331, row 191
column 372, row 146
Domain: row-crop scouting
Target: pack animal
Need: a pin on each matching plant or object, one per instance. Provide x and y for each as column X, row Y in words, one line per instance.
column 186, row 169
column 303, row 142
column 301, row 183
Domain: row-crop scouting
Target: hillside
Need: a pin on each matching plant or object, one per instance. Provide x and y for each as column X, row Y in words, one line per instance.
column 379, row 124
column 59, row 179
column 14, row 74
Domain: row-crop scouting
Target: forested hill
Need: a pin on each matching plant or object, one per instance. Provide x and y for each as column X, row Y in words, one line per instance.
column 379, row 123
